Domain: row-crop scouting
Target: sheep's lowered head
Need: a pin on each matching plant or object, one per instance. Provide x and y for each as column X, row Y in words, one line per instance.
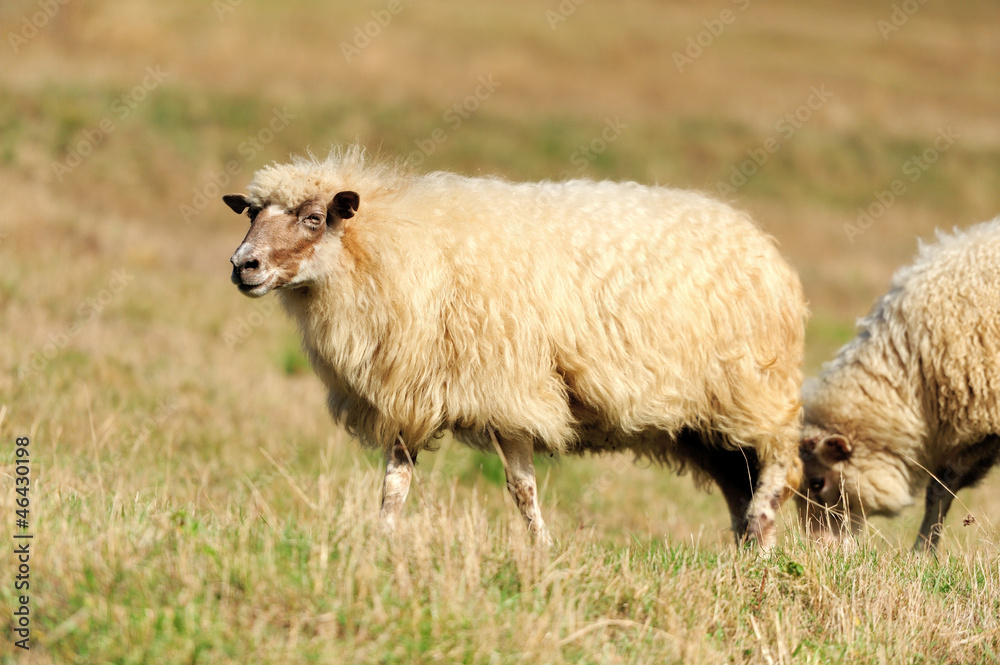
column 829, row 503
column 289, row 243
column 849, row 473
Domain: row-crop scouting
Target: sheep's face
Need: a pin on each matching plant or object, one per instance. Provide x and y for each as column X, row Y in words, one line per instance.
column 829, row 502
column 280, row 249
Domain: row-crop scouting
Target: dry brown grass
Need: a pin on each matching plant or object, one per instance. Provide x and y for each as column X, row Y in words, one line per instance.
column 192, row 503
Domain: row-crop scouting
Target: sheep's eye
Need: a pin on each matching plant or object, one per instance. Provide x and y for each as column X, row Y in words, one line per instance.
column 314, row 219
column 816, row 484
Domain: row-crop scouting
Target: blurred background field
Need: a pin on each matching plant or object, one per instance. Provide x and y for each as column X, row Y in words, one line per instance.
column 189, row 489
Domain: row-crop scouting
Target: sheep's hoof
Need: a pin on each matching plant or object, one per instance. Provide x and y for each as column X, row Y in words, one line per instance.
column 387, row 526
column 762, row 531
column 542, row 538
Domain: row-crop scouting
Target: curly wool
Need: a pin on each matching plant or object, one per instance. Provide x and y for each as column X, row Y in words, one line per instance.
column 921, row 381
column 581, row 315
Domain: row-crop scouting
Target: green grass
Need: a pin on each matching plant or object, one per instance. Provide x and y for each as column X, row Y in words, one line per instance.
column 271, row 580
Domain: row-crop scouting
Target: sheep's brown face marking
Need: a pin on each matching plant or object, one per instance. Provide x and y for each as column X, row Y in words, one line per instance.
column 277, row 249
column 825, row 504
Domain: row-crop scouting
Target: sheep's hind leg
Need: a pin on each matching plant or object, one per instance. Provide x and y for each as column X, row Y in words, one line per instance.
column 395, row 485
column 519, row 466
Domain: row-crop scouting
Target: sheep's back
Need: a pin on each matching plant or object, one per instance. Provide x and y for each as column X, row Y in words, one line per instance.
column 949, row 302
column 613, row 305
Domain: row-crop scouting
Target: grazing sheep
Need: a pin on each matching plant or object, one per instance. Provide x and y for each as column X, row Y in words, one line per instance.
column 556, row 317
column 913, row 401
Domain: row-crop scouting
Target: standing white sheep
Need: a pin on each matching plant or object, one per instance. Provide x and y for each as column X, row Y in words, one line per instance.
column 559, row 317
column 913, row 402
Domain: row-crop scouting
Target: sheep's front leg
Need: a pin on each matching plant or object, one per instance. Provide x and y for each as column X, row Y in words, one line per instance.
column 772, row 489
column 395, row 485
column 967, row 469
column 937, row 504
column 734, row 471
column 519, row 465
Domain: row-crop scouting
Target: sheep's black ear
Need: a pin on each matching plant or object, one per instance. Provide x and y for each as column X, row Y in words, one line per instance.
column 344, row 205
column 238, row 202
column 834, row 448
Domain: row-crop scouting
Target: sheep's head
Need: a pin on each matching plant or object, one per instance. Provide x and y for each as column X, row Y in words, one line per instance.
column 280, row 249
column 828, row 500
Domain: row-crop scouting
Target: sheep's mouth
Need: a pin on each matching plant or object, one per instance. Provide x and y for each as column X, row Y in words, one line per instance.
column 255, row 290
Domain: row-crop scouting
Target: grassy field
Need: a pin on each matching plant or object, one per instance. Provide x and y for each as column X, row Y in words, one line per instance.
column 190, row 501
